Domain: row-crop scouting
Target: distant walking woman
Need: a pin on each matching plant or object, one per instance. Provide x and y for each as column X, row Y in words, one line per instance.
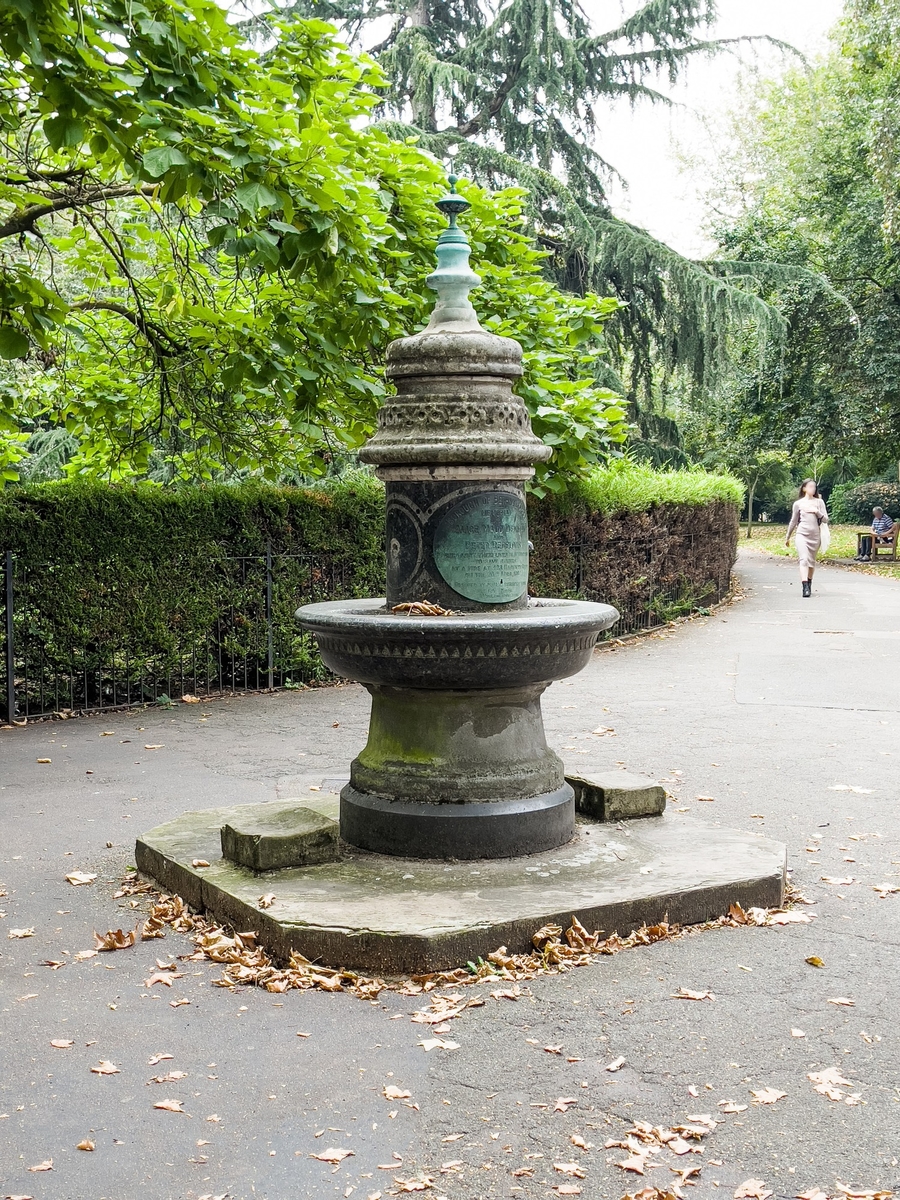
column 808, row 515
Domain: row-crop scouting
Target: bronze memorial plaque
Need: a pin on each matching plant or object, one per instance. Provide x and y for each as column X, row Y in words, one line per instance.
column 481, row 547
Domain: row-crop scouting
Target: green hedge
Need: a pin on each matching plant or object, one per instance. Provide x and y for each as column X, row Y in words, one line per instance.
column 852, row 503
column 129, row 592
column 156, row 590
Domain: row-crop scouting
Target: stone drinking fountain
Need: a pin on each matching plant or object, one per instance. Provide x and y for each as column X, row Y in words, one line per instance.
column 457, row 829
column 457, row 764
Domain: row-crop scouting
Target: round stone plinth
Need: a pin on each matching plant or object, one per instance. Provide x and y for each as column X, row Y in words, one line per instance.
column 489, row 829
column 457, row 774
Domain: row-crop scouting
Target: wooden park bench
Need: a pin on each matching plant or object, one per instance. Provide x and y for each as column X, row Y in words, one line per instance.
column 884, row 545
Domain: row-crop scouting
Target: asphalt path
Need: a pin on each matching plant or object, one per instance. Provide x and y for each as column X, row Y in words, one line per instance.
column 784, row 710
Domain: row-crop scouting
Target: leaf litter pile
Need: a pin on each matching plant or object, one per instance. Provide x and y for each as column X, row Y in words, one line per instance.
column 245, row 962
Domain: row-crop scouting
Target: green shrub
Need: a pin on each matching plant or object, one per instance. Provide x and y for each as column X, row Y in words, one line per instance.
column 627, row 486
column 852, row 503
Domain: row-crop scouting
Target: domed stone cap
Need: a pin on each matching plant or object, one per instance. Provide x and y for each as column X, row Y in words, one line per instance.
column 444, row 352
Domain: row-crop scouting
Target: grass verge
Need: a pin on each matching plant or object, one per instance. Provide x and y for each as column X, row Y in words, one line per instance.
column 770, row 539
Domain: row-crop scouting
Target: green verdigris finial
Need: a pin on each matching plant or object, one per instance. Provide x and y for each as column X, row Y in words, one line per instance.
column 453, row 278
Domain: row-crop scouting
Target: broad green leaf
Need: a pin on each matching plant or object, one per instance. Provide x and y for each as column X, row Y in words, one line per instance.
column 13, row 343
column 161, row 159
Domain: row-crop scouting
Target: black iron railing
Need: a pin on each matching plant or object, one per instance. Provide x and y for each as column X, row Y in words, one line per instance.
column 182, row 628
column 84, row 636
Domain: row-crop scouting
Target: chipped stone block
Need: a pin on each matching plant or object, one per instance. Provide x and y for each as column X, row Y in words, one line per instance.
column 617, row 795
column 269, row 837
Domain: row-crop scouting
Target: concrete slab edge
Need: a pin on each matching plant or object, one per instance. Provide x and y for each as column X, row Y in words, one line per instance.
column 374, row 953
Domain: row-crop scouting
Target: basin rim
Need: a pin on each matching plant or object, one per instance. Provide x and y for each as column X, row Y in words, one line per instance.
column 371, row 618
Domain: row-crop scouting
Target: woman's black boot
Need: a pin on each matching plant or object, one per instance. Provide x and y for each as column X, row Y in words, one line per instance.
column 807, row 587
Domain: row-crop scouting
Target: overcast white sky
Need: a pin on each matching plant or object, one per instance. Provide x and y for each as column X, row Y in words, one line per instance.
column 644, row 144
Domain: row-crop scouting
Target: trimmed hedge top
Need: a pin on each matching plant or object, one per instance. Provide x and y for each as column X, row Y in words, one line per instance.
column 95, row 521
column 627, row 486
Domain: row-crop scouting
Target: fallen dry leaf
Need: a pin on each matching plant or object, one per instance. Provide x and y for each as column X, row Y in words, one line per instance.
column 267, row 900
column 86, row 1144
column 635, row 1163
column 164, row 977
column 82, row 955
column 105, row 1068
column 43, row 760
column 685, row 1174
column 815, row 961
column 813, row 1194
column 170, row 1077
column 199, row 862
column 798, row 1033
column 438, row 1044
column 394, row 1093
column 21, row 933
column 170, row 1105
column 154, row 746
column 178, row 1003
column 577, row 1140
column 158, row 1058
column 563, row 1104
column 414, row 1185
column 571, row 1168
column 77, row 878
column 62, row 1043
column 752, row 1189
column 842, row 1000
column 788, row 918
column 829, row 1083
column 861, row 1193
column 728, row 1106
column 767, row 1095
column 567, row 1189
column 334, row 1155
column 46, row 1165
column 512, row 993
column 615, row 1065
column 189, row 699
column 686, row 994
column 113, row 939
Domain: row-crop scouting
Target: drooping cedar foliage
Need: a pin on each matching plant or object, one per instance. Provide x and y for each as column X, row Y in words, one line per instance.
column 518, row 87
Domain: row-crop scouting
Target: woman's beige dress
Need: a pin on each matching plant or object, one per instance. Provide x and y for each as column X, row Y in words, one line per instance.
column 806, row 518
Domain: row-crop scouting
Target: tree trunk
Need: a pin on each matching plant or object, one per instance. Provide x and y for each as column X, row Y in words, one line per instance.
column 750, row 496
column 420, row 99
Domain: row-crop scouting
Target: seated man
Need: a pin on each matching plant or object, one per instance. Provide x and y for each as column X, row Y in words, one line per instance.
column 882, row 529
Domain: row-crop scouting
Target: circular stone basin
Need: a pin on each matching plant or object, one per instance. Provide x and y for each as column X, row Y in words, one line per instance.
column 365, row 641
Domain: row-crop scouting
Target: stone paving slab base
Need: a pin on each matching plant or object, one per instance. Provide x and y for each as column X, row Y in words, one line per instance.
column 385, row 915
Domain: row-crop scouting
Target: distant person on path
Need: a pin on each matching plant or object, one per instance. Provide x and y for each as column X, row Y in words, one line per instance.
column 808, row 515
column 882, row 525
